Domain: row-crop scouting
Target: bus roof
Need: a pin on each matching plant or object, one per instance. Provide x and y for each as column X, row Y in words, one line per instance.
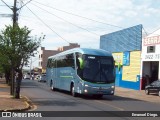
column 89, row 51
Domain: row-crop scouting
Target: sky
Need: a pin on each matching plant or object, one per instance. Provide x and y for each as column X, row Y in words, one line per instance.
column 81, row 21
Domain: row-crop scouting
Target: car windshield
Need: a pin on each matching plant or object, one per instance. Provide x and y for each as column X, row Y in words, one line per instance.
column 98, row 69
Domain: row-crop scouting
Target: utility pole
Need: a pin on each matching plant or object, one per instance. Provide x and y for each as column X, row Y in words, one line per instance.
column 15, row 22
column 31, row 69
column 15, row 19
column 15, row 15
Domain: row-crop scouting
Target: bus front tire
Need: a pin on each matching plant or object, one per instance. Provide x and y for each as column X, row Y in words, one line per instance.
column 73, row 93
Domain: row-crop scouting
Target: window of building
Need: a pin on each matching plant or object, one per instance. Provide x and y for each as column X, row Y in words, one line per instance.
column 39, row 64
column 151, row 49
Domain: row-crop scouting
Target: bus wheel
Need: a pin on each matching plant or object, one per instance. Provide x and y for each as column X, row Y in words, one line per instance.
column 74, row 94
column 52, row 86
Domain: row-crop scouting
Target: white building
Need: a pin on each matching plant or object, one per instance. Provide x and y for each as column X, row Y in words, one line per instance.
column 150, row 58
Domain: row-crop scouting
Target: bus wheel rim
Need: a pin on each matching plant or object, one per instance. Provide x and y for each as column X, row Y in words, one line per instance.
column 73, row 90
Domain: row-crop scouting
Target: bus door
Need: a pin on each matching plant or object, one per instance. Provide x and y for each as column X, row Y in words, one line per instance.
column 79, row 64
column 54, row 72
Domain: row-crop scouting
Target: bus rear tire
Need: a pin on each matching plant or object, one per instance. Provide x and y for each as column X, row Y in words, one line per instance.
column 52, row 86
column 73, row 93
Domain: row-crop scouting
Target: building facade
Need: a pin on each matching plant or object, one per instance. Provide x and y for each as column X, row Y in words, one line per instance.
column 44, row 54
column 125, row 45
column 150, row 68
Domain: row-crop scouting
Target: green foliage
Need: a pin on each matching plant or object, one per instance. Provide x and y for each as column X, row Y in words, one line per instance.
column 17, row 45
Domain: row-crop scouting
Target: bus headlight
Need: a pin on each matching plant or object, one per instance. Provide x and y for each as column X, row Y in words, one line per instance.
column 86, row 85
column 85, row 91
column 112, row 86
column 112, row 92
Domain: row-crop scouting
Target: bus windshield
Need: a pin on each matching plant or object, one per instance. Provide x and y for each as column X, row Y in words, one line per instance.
column 97, row 69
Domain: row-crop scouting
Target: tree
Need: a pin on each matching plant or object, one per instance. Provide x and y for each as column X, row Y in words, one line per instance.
column 18, row 46
column 5, row 68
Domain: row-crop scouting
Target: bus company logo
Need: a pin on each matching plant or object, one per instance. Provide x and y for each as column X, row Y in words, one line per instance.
column 6, row 114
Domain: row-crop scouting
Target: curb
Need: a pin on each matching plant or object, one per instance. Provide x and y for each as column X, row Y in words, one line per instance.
column 27, row 107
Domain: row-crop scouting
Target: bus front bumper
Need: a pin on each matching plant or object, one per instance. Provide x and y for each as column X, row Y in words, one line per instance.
column 98, row 90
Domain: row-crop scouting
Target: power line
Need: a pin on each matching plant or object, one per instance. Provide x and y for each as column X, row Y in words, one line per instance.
column 47, row 25
column 3, row 5
column 6, row 4
column 65, row 20
column 80, row 16
column 24, row 4
column 144, row 30
column 6, row 15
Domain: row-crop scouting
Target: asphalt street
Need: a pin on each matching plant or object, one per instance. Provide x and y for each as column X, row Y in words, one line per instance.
column 44, row 99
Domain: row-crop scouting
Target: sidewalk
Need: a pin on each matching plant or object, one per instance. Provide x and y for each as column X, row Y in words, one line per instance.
column 136, row 94
column 8, row 103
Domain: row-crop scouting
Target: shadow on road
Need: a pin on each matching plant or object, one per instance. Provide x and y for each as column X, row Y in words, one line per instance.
column 105, row 97
column 54, row 102
column 109, row 98
column 26, row 84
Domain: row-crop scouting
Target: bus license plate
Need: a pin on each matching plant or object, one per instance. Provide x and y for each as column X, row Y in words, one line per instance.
column 99, row 92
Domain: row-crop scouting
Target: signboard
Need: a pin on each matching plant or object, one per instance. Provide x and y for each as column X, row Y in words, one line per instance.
column 151, row 41
column 118, row 57
column 126, row 58
column 151, row 57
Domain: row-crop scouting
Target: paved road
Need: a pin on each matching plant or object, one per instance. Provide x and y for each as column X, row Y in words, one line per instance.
column 46, row 100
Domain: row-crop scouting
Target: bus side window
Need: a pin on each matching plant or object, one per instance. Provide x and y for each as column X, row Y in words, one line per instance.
column 77, row 61
column 70, row 60
column 53, row 63
column 49, row 63
column 58, row 62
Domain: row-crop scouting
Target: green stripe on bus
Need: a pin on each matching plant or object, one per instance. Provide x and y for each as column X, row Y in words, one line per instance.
column 66, row 76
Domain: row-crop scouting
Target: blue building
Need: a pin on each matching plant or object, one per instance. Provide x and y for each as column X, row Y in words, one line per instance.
column 125, row 45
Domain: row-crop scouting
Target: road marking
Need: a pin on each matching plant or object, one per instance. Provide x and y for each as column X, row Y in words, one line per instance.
column 121, row 109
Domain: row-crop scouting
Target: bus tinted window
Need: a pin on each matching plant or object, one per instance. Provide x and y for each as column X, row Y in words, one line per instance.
column 49, row 63
column 65, row 61
column 98, row 69
column 53, row 63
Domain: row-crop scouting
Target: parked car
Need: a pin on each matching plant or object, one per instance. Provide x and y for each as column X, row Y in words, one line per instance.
column 154, row 87
column 26, row 76
column 37, row 77
column 42, row 78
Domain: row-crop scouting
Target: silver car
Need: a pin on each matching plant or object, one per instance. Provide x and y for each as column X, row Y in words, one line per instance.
column 42, row 78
